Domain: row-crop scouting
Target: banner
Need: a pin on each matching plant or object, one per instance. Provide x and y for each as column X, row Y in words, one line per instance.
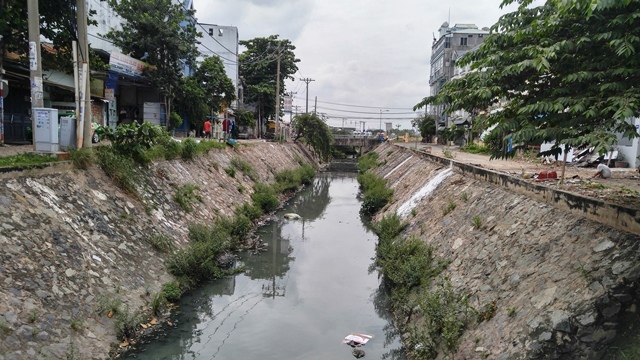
column 127, row 65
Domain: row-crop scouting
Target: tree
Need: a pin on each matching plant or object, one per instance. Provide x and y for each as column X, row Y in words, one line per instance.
column 217, row 86
column 258, row 69
column 244, row 117
column 314, row 132
column 152, row 30
column 558, row 72
column 426, row 125
column 57, row 24
column 192, row 101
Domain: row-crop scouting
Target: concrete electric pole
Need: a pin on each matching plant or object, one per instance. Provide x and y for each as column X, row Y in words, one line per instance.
column 83, row 44
column 307, row 80
column 35, row 65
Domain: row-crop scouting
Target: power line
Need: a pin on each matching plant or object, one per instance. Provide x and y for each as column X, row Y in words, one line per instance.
column 365, row 112
column 362, row 106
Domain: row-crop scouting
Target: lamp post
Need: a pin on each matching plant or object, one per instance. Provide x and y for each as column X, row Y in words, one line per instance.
column 381, row 111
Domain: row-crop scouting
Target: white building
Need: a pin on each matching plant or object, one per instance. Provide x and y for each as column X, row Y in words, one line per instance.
column 222, row 41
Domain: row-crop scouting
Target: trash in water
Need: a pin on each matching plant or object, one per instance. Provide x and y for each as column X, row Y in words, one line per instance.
column 356, row 339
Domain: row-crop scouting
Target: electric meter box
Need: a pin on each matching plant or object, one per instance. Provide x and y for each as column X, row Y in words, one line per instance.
column 67, row 132
column 46, row 129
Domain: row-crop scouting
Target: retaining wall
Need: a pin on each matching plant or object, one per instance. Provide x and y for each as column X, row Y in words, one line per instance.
column 562, row 269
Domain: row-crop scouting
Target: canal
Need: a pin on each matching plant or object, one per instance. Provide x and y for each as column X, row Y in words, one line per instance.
column 314, row 286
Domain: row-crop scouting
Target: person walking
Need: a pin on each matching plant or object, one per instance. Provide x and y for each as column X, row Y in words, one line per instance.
column 207, row 129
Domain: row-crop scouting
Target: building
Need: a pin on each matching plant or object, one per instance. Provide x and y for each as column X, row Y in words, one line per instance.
column 452, row 41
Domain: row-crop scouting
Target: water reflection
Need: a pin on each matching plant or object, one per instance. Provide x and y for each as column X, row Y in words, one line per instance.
column 300, row 298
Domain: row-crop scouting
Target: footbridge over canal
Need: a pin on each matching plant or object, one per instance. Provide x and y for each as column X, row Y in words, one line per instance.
column 363, row 142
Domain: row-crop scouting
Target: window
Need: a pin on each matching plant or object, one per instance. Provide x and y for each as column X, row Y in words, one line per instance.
column 210, row 31
column 463, row 41
column 480, row 35
column 220, row 32
column 470, row 36
column 447, row 43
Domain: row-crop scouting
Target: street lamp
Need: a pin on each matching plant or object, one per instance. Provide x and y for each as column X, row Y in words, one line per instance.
column 381, row 111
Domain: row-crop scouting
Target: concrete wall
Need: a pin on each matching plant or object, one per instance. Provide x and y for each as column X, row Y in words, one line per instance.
column 70, row 238
column 567, row 265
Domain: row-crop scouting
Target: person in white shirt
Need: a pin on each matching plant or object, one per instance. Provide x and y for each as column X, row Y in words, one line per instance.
column 602, row 171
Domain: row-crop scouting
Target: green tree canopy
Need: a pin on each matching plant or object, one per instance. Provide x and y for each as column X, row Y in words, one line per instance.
column 314, row 132
column 258, row 69
column 57, row 24
column 152, row 30
column 564, row 71
column 425, row 124
column 192, row 101
column 217, row 86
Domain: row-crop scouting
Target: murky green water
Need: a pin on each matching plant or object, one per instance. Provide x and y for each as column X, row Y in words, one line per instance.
column 299, row 299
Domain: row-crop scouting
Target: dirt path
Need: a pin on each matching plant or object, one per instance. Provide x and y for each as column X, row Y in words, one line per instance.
column 622, row 188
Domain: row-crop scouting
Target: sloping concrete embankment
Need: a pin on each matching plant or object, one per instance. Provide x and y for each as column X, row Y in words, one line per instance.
column 71, row 238
column 561, row 280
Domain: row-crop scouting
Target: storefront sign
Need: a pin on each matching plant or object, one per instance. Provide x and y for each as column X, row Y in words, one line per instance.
column 127, row 65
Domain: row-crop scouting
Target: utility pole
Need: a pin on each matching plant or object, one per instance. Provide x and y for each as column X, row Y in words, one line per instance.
column 83, row 44
column 307, row 80
column 35, row 65
column 315, row 106
column 278, row 95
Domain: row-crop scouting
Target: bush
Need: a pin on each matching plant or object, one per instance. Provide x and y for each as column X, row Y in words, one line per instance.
column 161, row 242
column 82, row 158
column 389, row 227
column 171, row 291
column 126, row 323
column 135, row 139
column 189, row 149
column 245, row 168
column 252, row 212
column 186, row 195
column 474, row 148
column 265, row 198
column 367, row 161
column 376, row 193
column 119, row 168
column 173, row 149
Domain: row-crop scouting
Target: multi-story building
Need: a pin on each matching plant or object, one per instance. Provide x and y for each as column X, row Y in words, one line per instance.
column 222, row 41
column 451, row 40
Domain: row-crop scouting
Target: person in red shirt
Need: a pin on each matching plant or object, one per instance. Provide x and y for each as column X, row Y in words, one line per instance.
column 207, row 129
column 226, row 128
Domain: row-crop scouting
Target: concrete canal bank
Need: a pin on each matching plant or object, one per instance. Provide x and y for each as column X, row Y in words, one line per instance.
column 70, row 240
column 560, row 272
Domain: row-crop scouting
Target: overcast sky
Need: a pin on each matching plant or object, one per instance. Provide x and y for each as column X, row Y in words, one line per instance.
column 366, row 55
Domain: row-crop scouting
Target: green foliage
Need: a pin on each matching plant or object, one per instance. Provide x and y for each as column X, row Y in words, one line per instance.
column 77, row 324
column 158, row 303
column 464, row 197
column 215, row 83
column 26, row 160
column 173, row 149
column 189, row 149
column 264, row 197
column 376, row 193
column 119, row 168
column 134, row 140
column 161, row 242
column 512, row 311
column 191, row 101
column 488, row 311
column 562, row 71
column 205, row 146
column 126, row 323
column 107, row 304
column 151, row 28
column 33, row 316
column 171, row 291
column 260, row 75
column 446, row 313
column 474, row 148
column 245, row 168
column 252, row 212
column 186, row 195
column 315, row 132
column 451, row 205
column 426, row 124
column 407, row 263
column 231, row 171
column 477, row 222
column 389, row 227
column 175, row 120
column 446, row 152
column 81, row 158
column 367, row 162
